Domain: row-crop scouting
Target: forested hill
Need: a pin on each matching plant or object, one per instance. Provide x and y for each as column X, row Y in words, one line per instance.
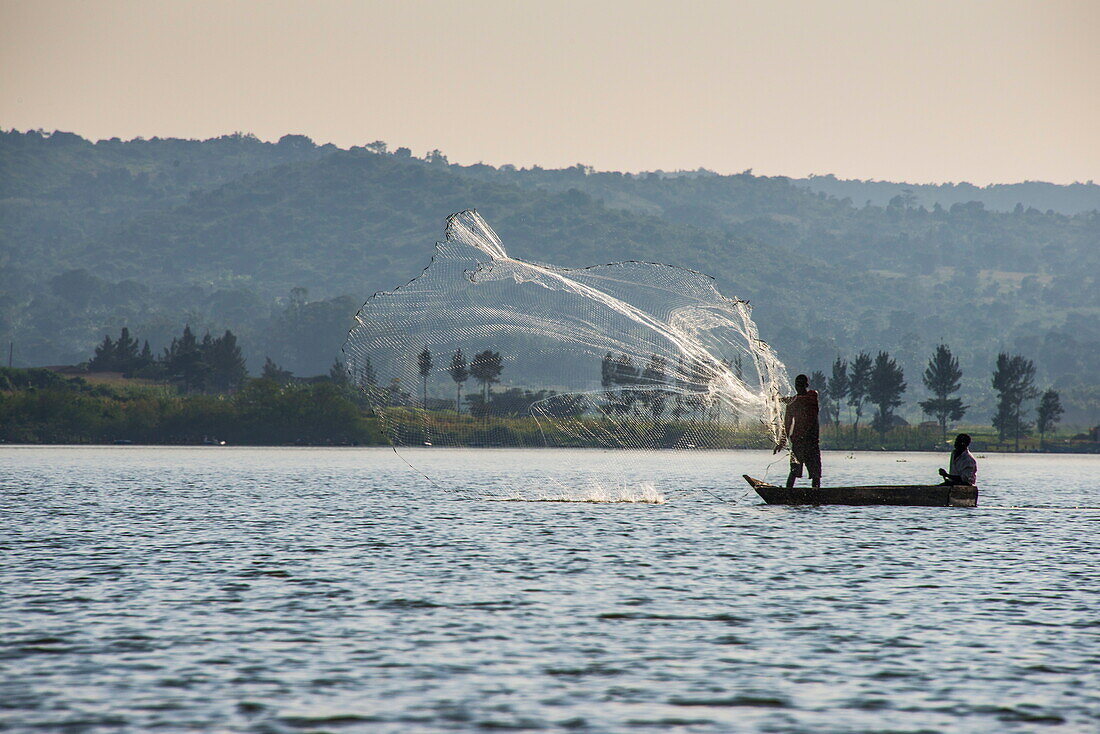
column 901, row 238
column 1074, row 198
column 280, row 242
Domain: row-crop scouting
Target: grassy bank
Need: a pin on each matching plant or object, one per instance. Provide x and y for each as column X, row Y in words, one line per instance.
column 38, row 406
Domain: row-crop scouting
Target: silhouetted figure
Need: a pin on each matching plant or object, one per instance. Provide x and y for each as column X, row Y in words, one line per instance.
column 801, row 427
column 964, row 467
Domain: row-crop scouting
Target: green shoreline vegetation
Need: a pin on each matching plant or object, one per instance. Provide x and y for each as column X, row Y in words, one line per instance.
column 198, row 391
column 43, row 406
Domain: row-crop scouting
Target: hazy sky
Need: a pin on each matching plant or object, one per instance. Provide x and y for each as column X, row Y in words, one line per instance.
column 918, row 91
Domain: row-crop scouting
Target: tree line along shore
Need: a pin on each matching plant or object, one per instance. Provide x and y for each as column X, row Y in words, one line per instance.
column 198, row 391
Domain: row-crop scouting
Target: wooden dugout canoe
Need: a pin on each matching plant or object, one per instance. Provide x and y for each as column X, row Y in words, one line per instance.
column 913, row 495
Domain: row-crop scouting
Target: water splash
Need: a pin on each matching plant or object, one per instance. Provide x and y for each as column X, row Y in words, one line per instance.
column 641, row 493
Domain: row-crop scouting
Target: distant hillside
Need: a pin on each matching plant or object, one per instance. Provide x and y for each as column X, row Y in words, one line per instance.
column 1075, row 198
column 281, row 242
column 902, row 237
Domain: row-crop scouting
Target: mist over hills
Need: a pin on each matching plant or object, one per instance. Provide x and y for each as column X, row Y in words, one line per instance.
column 281, row 242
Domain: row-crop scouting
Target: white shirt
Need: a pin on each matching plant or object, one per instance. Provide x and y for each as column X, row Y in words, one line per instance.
column 966, row 466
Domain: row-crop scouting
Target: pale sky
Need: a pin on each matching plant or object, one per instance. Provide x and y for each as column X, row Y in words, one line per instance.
column 993, row 91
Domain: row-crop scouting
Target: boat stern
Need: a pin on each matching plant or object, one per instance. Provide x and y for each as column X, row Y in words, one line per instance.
column 963, row 496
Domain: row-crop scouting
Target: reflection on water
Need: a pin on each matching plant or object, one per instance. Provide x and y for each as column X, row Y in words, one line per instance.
column 275, row 590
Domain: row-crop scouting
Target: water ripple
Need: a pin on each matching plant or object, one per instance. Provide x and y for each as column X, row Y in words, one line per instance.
column 294, row 590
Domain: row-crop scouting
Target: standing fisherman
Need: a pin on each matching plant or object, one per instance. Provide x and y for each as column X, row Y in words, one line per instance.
column 800, row 425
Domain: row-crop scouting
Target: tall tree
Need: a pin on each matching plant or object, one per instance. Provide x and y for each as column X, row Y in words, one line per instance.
column 274, row 372
column 367, row 378
column 1014, row 381
column 486, row 367
column 838, row 389
column 225, row 363
column 364, row 379
column 103, row 359
column 858, row 381
column 886, row 386
column 183, row 360
column 459, row 373
column 126, row 351
column 819, row 382
column 116, row 356
column 1048, row 414
column 338, row 372
column 146, row 358
column 942, row 377
column 424, row 366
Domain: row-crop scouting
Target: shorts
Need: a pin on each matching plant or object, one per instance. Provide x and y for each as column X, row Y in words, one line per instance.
column 806, row 454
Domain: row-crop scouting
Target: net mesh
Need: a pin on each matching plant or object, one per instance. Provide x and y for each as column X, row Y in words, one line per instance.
column 483, row 349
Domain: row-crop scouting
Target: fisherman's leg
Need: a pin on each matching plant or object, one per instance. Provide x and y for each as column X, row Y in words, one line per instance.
column 813, row 464
column 796, row 471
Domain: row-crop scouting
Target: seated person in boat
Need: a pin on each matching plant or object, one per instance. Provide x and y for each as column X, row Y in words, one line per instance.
column 964, row 467
column 801, row 427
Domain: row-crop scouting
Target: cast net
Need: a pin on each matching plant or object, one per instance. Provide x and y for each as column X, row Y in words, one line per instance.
column 485, row 350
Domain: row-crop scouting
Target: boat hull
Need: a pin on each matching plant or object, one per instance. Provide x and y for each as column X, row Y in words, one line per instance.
column 915, row 495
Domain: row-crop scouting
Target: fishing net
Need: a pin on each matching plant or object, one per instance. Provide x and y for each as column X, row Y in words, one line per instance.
column 485, row 350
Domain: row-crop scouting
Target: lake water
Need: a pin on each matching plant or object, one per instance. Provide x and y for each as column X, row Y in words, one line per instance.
column 292, row 590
